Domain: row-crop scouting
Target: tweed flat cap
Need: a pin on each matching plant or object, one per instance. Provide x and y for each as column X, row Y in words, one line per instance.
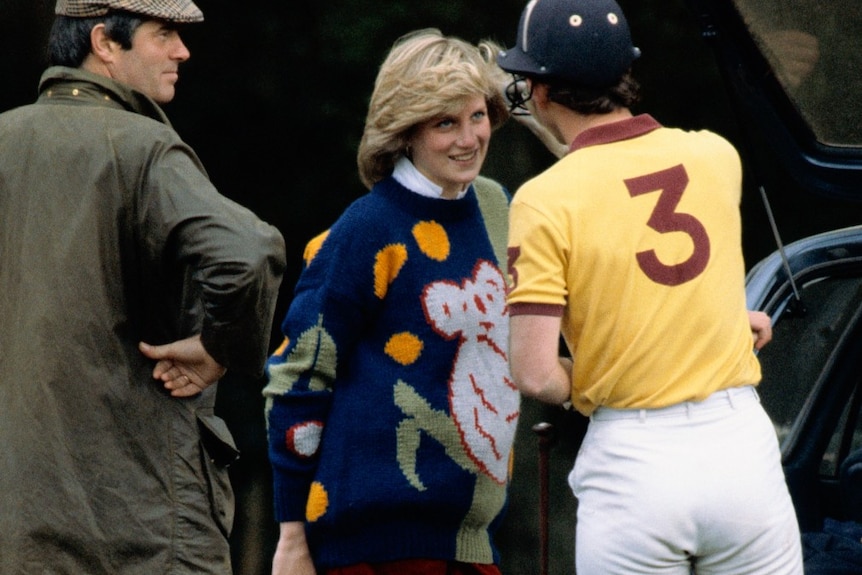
column 169, row 10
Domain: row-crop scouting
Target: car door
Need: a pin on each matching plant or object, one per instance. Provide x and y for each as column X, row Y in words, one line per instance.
column 812, row 369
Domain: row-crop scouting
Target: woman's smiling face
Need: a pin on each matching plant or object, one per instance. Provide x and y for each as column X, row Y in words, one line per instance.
column 449, row 150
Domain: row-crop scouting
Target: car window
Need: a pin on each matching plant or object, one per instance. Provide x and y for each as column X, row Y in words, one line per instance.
column 802, row 348
column 815, row 49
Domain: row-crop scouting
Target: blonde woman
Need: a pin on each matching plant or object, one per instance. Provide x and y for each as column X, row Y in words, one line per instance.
column 390, row 407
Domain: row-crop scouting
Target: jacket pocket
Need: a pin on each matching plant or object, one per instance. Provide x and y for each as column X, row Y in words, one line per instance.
column 216, row 439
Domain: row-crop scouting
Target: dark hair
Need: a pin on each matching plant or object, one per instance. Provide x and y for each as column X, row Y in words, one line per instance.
column 584, row 100
column 69, row 42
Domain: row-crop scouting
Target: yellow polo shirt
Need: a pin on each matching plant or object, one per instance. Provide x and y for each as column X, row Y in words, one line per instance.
column 634, row 240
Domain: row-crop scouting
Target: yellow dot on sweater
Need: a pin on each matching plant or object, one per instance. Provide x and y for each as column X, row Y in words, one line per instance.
column 282, row 347
column 404, row 348
column 318, row 501
column 313, row 246
column 432, row 240
column 387, row 264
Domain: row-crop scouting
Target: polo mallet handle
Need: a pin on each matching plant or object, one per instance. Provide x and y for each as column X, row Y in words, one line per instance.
column 545, row 433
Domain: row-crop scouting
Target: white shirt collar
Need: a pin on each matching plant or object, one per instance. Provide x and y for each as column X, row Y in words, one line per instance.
column 406, row 174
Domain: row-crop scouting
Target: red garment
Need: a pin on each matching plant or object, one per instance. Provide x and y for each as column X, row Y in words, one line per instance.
column 416, row 567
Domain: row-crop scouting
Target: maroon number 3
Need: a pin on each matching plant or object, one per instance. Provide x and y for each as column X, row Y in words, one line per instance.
column 664, row 219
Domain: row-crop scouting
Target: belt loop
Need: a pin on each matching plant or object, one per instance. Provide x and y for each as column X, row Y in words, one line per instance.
column 642, row 415
column 688, row 409
column 730, row 398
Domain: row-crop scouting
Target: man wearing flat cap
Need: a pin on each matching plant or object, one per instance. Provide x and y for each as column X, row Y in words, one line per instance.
column 128, row 287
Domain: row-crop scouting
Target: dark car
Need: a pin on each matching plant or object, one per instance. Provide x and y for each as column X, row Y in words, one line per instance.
column 794, row 73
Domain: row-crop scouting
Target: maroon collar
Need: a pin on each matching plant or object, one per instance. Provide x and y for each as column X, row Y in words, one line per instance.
column 615, row 131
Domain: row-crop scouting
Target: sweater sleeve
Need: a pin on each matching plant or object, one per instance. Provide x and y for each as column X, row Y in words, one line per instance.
column 326, row 314
column 299, row 393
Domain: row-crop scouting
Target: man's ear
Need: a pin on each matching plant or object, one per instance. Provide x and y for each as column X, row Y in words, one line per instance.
column 101, row 46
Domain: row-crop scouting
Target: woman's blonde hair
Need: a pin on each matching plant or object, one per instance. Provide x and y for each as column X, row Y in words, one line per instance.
column 425, row 75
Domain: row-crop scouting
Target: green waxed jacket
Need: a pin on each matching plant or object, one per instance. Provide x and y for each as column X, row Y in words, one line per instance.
column 111, row 233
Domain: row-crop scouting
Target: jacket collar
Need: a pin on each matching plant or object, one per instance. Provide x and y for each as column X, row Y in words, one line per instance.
column 60, row 82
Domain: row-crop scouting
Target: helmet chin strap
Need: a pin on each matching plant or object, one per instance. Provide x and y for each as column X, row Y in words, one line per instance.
column 518, row 93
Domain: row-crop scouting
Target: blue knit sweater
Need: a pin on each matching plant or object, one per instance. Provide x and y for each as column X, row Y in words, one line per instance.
column 391, row 412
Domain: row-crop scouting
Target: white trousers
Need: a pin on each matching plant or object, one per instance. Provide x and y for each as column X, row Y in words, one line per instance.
column 692, row 488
